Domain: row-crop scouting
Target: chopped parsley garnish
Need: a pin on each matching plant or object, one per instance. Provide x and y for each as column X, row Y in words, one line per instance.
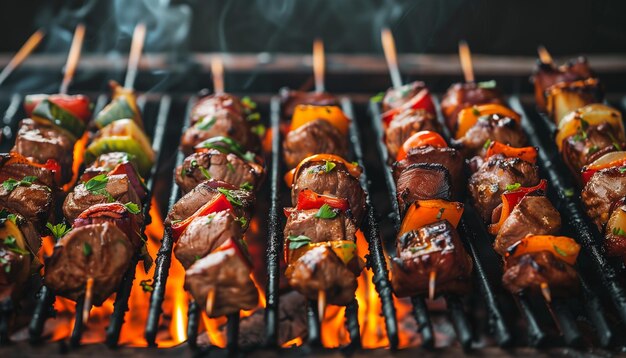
column 230, row 197
column 247, row 186
column 593, row 149
column 209, row 218
column 329, row 166
column 511, row 187
column 622, row 169
column 440, row 213
column 242, row 221
column 132, row 208
column 87, row 250
column 475, row 111
column 296, row 242
column 355, row 163
column 259, row 130
column 146, row 285
column 6, row 264
column 206, row 124
column 97, row 186
column 378, row 97
column 326, row 212
column 568, row 192
column 58, row 230
column 11, row 243
column 230, row 167
column 254, row 116
column 618, row 231
column 559, row 251
column 205, row 172
column 11, row 184
column 487, row 84
column 487, row 144
column 6, row 215
column 614, row 141
column 248, row 103
column 227, row 145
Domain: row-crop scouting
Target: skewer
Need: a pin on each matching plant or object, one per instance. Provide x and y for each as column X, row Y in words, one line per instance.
column 432, row 281
column 545, row 291
column 88, row 297
column 210, row 301
column 136, row 46
column 217, row 71
column 319, row 65
column 73, row 57
column 389, row 47
column 321, row 304
column 466, row 61
column 29, row 46
column 544, row 55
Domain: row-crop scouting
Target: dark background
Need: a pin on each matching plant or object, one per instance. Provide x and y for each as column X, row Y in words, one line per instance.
column 512, row 27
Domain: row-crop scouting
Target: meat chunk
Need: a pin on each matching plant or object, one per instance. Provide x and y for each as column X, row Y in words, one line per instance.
column 101, row 252
column 304, row 222
column 336, row 182
column 600, row 193
column 396, row 97
column 466, row 94
column 315, row 137
column 228, row 275
column 546, row 75
column 422, row 181
column 534, row 215
column 204, row 193
column 404, row 125
column 490, row 181
column 320, row 269
column 290, row 99
column 222, row 123
column 117, row 214
column 118, row 187
column 105, row 163
column 205, row 234
column 210, row 105
column 16, row 169
column 34, row 202
column 40, row 143
column 493, row 127
column 433, row 248
column 579, row 151
column 213, row 164
column 528, row 271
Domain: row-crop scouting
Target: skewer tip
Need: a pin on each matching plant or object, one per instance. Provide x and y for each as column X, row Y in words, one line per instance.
column 545, row 291
column 432, row 281
column 544, row 55
column 88, row 298
column 319, row 64
column 217, row 71
column 321, row 305
column 465, row 56
column 391, row 56
column 210, row 301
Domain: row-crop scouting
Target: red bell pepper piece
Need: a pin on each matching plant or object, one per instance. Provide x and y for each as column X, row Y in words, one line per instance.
column 422, row 100
column 219, row 203
column 528, row 154
column 510, row 199
column 308, row 199
column 78, row 105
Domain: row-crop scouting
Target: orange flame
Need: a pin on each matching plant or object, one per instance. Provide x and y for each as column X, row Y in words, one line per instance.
column 79, row 156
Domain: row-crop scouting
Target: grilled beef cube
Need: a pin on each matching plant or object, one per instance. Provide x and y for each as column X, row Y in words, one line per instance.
column 337, row 182
column 104, row 163
column 463, row 95
column 450, row 158
column 228, row 273
column 34, row 202
column 396, row 97
column 222, row 123
column 321, row 269
column 493, row 127
column 205, row 234
column 304, row 222
column 315, row 137
column 213, row 164
column 433, row 248
column 494, row 175
column 565, row 97
column 546, row 75
column 533, row 215
column 210, row 105
column 98, row 251
column 290, row 99
column 601, row 192
column 204, row 193
column 118, row 187
column 404, row 125
column 579, row 151
column 530, row 270
column 40, row 143
column 116, row 214
column 18, row 171
column 422, row 181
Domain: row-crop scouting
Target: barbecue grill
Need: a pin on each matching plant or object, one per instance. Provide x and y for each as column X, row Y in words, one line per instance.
column 487, row 320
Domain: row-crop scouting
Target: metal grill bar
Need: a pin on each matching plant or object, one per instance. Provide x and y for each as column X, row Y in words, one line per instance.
column 6, row 310
column 313, row 325
column 193, row 322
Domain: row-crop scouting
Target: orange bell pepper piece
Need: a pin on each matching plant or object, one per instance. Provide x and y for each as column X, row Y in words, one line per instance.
column 425, row 212
column 305, row 113
column 562, row 247
column 354, row 169
column 420, row 139
column 469, row 116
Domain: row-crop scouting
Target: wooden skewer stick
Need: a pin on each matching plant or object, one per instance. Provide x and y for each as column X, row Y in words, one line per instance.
column 466, row 61
column 29, row 46
column 73, row 57
column 544, row 55
column 210, row 301
column 545, row 291
column 391, row 55
column 217, row 71
column 321, row 305
column 319, row 65
column 88, row 298
column 136, row 46
column 432, row 281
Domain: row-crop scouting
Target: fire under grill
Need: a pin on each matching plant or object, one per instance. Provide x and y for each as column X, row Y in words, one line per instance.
column 489, row 317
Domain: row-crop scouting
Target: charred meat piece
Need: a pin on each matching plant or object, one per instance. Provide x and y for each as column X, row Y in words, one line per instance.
column 226, row 272
column 321, row 269
column 336, row 182
column 450, row 158
column 213, row 164
column 547, row 74
column 529, row 271
column 315, row 137
column 17, row 170
column 114, row 188
column 601, row 192
column 222, row 123
column 205, row 234
column 490, row 181
column 304, row 222
column 466, row 94
column 98, row 251
column 493, row 127
column 40, row 143
column 104, row 164
column 533, row 215
column 290, row 99
column 422, row 181
column 404, row 125
column 116, row 214
column 396, row 97
column 34, row 202
column 212, row 104
column 580, row 150
column 204, row 193
column 433, row 248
